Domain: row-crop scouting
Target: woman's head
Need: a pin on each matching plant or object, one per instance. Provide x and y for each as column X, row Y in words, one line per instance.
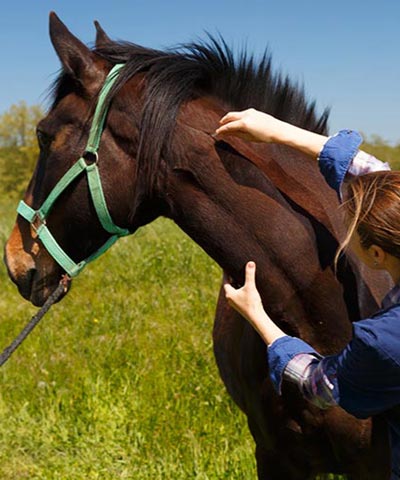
column 372, row 210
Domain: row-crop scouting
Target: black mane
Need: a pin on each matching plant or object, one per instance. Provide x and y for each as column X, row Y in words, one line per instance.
column 195, row 69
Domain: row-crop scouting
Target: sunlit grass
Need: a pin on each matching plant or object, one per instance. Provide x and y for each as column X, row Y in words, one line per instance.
column 119, row 379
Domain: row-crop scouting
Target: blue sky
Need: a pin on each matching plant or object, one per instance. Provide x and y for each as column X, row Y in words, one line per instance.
column 345, row 53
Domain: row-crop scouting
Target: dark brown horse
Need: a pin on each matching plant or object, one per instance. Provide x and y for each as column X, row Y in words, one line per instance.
column 237, row 201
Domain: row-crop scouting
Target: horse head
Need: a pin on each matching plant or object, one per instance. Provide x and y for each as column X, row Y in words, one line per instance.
column 62, row 136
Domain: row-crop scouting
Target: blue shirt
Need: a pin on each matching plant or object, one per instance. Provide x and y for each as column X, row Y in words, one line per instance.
column 364, row 378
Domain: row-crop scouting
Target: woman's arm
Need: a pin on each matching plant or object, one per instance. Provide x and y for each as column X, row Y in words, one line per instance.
column 289, row 358
column 361, row 378
column 338, row 156
column 256, row 126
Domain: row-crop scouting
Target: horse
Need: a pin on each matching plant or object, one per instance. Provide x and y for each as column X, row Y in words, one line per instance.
column 238, row 201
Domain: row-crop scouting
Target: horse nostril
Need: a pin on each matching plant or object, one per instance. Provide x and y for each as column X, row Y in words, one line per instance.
column 25, row 284
column 29, row 277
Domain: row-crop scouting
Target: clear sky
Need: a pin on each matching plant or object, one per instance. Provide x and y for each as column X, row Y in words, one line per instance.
column 344, row 52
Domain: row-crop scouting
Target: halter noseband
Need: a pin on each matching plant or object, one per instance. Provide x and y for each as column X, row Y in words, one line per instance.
column 86, row 163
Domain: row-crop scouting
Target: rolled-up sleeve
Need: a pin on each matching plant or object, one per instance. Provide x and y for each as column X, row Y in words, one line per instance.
column 362, row 378
column 340, row 158
column 336, row 156
column 280, row 352
column 307, row 372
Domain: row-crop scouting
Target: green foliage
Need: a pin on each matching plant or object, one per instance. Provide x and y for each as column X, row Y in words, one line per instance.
column 18, row 147
column 17, row 125
column 16, row 166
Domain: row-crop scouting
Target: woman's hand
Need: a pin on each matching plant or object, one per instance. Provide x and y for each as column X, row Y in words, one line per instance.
column 247, row 301
column 251, row 125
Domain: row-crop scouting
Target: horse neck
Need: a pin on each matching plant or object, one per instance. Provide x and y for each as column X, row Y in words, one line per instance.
column 236, row 214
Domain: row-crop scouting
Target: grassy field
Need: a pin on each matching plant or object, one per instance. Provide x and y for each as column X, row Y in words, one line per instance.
column 119, row 380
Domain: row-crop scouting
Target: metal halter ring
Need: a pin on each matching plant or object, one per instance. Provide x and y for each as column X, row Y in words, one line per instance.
column 90, row 158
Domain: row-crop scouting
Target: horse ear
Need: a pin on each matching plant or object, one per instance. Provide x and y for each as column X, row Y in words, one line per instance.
column 102, row 39
column 76, row 58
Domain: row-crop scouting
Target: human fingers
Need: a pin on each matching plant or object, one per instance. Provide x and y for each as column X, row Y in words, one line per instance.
column 250, row 274
column 230, row 116
column 229, row 291
column 232, row 126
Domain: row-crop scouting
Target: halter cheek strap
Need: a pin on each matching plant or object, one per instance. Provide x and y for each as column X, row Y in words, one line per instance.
column 87, row 163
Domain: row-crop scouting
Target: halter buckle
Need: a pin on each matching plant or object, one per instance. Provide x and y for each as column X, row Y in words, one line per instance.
column 37, row 222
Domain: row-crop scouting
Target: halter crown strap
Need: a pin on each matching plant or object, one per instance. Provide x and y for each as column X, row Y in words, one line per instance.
column 100, row 113
column 37, row 218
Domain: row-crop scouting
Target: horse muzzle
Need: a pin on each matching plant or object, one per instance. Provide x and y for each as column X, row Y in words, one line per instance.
column 30, row 267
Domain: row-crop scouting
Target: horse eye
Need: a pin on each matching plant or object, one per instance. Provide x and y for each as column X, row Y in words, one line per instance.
column 44, row 139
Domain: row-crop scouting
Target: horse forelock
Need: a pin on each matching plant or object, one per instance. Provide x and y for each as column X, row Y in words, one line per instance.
column 209, row 68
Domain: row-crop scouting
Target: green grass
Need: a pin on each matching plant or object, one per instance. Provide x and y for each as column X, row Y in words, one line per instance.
column 118, row 381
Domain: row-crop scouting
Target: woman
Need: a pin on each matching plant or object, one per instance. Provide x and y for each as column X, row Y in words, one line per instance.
column 364, row 378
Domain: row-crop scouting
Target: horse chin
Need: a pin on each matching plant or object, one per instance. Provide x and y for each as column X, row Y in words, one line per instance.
column 43, row 287
column 35, row 286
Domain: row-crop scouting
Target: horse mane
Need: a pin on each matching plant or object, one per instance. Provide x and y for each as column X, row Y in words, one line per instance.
column 189, row 71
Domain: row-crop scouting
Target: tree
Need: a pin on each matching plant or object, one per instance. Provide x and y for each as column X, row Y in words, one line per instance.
column 17, row 125
column 18, row 146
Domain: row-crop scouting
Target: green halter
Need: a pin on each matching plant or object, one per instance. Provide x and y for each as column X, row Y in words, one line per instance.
column 87, row 163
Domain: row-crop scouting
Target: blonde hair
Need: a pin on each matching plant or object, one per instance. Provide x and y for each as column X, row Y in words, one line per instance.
column 372, row 207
